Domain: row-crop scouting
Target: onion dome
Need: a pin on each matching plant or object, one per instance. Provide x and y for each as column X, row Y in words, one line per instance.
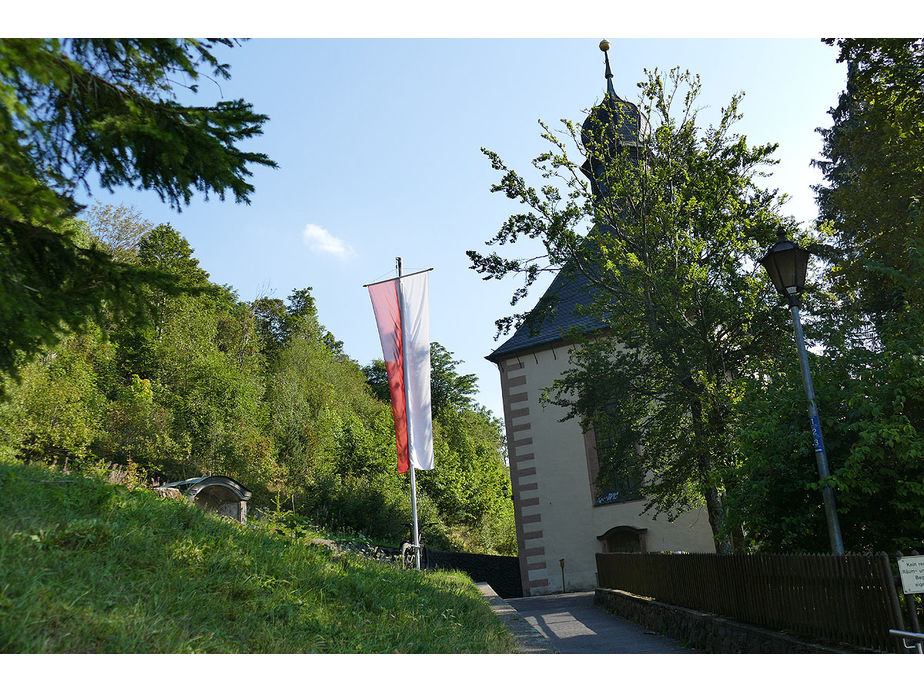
column 611, row 126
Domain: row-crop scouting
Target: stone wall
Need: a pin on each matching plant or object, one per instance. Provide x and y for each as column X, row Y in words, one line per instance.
column 704, row 632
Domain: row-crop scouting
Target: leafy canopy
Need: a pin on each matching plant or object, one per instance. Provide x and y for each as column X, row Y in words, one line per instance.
column 872, row 195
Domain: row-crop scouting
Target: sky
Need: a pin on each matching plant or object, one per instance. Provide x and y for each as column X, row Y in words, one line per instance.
column 378, row 143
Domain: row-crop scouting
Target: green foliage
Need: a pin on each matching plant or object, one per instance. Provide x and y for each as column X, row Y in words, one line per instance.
column 57, row 410
column 469, row 477
column 68, row 108
column 375, row 505
column 874, row 181
column 314, row 395
column 166, row 250
column 49, row 283
column 183, row 378
column 868, row 403
column 692, row 379
column 201, row 354
column 137, row 428
column 261, row 392
column 217, row 405
column 449, row 389
column 119, row 230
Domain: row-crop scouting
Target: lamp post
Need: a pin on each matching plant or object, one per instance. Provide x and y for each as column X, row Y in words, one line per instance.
column 786, row 263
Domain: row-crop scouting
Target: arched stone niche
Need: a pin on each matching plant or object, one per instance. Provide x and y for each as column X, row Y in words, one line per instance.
column 623, row 539
column 220, row 494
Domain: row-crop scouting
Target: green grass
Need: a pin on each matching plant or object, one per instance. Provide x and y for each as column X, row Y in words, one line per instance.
column 86, row 566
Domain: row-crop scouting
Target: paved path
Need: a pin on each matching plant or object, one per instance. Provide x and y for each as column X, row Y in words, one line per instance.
column 573, row 624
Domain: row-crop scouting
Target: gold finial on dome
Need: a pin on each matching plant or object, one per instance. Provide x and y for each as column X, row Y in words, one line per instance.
column 605, row 46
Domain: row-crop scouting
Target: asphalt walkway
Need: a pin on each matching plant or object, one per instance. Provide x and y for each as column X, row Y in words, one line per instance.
column 573, row 624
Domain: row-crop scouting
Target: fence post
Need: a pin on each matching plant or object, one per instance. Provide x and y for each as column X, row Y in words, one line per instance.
column 888, row 582
column 910, row 604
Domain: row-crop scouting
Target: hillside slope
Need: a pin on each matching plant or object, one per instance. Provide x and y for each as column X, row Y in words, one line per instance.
column 87, row 566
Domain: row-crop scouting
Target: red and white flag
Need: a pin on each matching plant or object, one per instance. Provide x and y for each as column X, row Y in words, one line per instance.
column 402, row 313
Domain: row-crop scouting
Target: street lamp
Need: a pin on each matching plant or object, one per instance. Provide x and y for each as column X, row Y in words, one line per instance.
column 786, row 264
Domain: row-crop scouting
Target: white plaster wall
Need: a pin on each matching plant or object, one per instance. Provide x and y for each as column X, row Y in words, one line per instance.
column 569, row 521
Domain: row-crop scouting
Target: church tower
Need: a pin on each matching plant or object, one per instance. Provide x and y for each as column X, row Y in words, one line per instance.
column 562, row 520
column 611, row 127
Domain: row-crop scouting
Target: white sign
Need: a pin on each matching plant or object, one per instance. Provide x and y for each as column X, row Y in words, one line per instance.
column 911, row 568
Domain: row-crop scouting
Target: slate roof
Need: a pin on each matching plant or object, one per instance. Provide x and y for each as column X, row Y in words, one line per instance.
column 567, row 292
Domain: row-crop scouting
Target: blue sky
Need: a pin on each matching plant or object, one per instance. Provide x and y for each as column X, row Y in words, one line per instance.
column 378, row 145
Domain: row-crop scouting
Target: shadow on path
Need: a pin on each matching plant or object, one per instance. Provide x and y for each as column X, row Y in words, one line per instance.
column 575, row 625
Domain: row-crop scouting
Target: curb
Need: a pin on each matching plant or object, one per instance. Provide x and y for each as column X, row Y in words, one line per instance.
column 529, row 640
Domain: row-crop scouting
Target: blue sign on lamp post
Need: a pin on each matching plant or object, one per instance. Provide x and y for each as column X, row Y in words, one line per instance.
column 786, row 263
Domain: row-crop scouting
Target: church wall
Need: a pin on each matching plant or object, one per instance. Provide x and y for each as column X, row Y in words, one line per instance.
column 553, row 497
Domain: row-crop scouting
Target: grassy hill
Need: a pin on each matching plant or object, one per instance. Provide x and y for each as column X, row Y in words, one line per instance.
column 87, row 566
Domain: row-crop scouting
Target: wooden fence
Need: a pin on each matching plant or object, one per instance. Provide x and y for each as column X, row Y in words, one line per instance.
column 836, row 599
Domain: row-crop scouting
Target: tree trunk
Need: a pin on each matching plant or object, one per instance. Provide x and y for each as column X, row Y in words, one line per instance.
column 737, row 538
column 714, row 508
column 716, row 513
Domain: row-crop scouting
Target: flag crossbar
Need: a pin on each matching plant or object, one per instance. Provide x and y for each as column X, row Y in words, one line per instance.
column 400, row 276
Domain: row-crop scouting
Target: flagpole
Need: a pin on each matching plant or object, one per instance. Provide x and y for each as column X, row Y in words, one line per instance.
column 415, row 538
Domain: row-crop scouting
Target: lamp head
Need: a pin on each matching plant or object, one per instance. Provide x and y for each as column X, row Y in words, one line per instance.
column 786, row 263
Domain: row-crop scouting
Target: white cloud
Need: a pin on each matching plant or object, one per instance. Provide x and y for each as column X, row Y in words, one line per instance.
column 320, row 240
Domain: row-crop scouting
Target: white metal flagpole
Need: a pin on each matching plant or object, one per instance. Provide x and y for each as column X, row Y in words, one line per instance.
column 415, row 537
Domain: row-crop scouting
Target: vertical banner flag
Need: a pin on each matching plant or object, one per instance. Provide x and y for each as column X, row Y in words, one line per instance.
column 402, row 314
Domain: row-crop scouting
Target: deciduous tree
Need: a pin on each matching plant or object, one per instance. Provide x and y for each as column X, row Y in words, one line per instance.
column 665, row 237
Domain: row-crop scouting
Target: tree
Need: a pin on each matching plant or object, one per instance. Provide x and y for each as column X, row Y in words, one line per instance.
column 270, row 314
column 55, row 412
column 278, row 322
column 202, row 353
column 313, row 389
column 119, row 229
column 867, row 316
column 872, row 196
column 215, row 398
column 138, row 429
column 876, row 454
column 74, row 106
column 469, row 483
column 449, row 389
column 664, row 233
